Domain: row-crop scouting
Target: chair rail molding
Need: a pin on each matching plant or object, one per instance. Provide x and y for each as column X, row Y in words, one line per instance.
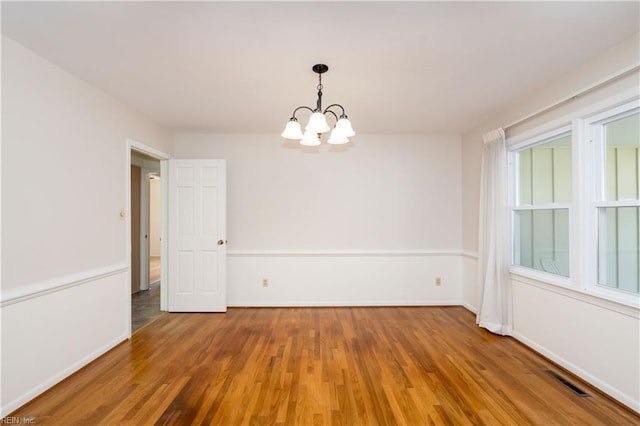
column 30, row 291
column 343, row 252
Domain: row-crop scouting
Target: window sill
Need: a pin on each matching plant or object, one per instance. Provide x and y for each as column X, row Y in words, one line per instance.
column 620, row 303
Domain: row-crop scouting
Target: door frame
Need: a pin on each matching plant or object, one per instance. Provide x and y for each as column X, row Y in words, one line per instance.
column 133, row 145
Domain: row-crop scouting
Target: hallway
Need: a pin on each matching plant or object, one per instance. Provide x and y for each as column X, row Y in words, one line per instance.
column 145, row 305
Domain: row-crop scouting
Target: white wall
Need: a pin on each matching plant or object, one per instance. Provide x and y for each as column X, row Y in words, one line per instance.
column 598, row 341
column 373, row 224
column 64, row 274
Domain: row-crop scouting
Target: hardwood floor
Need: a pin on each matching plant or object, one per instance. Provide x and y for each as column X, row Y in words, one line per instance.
column 314, row 366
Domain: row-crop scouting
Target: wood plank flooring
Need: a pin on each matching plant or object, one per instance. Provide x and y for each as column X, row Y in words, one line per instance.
column 316, row 366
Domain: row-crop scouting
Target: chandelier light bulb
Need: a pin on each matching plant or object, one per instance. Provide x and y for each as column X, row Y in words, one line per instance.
column 345, row 127
column 317, row 123
column 292, row 130
column 310, row 139
column 337, row 137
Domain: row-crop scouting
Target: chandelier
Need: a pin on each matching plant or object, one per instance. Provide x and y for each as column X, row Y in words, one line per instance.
column 317, row 122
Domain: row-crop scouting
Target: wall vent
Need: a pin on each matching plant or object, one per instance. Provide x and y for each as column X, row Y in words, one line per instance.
column 567, row 383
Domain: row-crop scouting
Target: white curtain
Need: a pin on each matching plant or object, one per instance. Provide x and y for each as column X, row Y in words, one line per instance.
column 494, row 312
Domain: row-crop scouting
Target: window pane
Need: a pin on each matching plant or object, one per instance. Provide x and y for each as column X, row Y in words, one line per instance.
column 618, row 253
column 623, row 140
column 542, row 240
column 544, row 173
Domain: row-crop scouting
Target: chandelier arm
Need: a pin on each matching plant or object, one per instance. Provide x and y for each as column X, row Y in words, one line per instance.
column 299, row 108
column 332, row 113
column 343, row 115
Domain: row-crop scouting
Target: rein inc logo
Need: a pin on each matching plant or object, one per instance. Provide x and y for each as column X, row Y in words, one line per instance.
column 18, row 421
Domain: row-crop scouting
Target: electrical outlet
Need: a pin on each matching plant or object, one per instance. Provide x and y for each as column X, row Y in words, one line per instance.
column 438, row 281
column 265, row 282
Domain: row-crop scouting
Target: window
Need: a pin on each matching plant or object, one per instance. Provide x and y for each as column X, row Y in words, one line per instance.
column 616, row 142
column 575, row 204
column 542, row 201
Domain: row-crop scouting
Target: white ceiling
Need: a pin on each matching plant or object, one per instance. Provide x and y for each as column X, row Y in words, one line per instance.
column 240, row 67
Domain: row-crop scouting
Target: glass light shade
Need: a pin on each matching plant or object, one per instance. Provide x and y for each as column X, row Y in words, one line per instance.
column 344, row 126
column 292, row 131
column 310, row 139
column 337, row 137
column 317, row 123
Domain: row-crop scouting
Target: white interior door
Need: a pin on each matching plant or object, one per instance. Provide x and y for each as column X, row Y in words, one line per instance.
column 197, row 236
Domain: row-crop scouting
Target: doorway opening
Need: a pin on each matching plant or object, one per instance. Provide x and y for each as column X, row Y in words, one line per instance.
column 146, row 214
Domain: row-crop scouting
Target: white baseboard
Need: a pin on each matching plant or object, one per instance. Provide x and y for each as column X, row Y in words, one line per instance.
column 342, row 253
column 314, row 304
column 470, row 308
column 6, row 409
column 603, row 386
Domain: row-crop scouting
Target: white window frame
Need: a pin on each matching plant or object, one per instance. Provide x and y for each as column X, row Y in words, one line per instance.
column 595, row 196
column 513, row 186
column 588, row 180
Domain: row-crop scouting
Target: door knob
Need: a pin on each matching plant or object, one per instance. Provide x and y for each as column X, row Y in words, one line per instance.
column 220, row 242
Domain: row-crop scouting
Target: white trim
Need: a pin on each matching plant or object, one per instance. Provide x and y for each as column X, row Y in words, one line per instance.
column 9, row 297
column 127, row 230
column 470, row 308
column 145, row 149
column 603, row 386
column 164, row 232
column 612, row 114
column 539, row 275
column 620, row 203
column 595, row 196
column 579, row 252
column 163, row 157
column 520, row 144
column 335, row 252
column 549, row 206
column 353, row 303
column 588, row 110
column 470, row 254
column 600, row 83
column 38, row 390
column 619, row 306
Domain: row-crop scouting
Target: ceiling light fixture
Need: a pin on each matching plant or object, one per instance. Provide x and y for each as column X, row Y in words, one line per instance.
column 317, row 124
